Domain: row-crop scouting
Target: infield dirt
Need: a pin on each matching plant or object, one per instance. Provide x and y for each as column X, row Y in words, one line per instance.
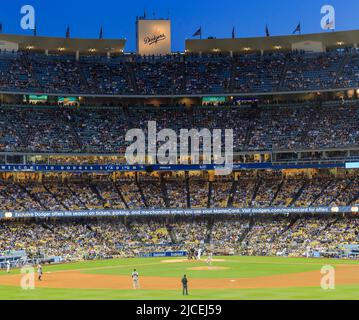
column 345, row 274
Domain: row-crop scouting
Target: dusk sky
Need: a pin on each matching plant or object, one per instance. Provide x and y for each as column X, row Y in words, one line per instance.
column 217, row 18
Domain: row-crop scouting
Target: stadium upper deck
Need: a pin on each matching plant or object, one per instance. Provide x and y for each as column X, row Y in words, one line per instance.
column 258, row 66
column 180, row 75
column 304, row 132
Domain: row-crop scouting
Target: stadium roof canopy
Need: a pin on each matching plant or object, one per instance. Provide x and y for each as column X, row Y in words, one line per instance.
column 71, row 45
column 308, row 42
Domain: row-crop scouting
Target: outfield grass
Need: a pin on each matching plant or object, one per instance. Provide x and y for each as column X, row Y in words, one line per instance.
column 239, row 267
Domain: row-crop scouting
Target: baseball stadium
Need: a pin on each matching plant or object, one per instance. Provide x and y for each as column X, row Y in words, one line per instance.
column 78, row 221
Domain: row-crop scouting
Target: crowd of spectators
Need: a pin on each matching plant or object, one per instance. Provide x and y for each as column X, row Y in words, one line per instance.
column 253, row 73
column 69, row 240
column 261, row 189
column 102, row 238
column 103, row 130
column 301, row 237
column 308, row 72
column 179, row 74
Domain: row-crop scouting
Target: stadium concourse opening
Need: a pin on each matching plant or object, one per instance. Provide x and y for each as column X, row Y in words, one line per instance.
column 68, row 196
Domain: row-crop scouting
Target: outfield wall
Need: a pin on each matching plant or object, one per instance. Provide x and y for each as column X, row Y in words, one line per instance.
column 162, row 254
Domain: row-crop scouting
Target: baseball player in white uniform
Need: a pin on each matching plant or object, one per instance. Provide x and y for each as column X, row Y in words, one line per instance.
column 8, row 266
column 135, row 280
column 199, row 253
column 39, row 272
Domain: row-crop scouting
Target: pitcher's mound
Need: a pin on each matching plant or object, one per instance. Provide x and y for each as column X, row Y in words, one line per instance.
column 186, row 260
column 208, row 268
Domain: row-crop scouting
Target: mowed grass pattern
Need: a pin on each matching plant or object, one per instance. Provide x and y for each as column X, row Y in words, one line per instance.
column 238, row 267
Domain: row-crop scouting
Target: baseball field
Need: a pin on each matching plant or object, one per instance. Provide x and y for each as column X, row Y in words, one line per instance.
column 228, row 278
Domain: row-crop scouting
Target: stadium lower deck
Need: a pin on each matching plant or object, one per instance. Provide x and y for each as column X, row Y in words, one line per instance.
column 257, row 188
column 100, row 238
column 97, row 238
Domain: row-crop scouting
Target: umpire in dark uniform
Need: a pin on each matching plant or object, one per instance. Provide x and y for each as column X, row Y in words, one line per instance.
column 184, row 285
